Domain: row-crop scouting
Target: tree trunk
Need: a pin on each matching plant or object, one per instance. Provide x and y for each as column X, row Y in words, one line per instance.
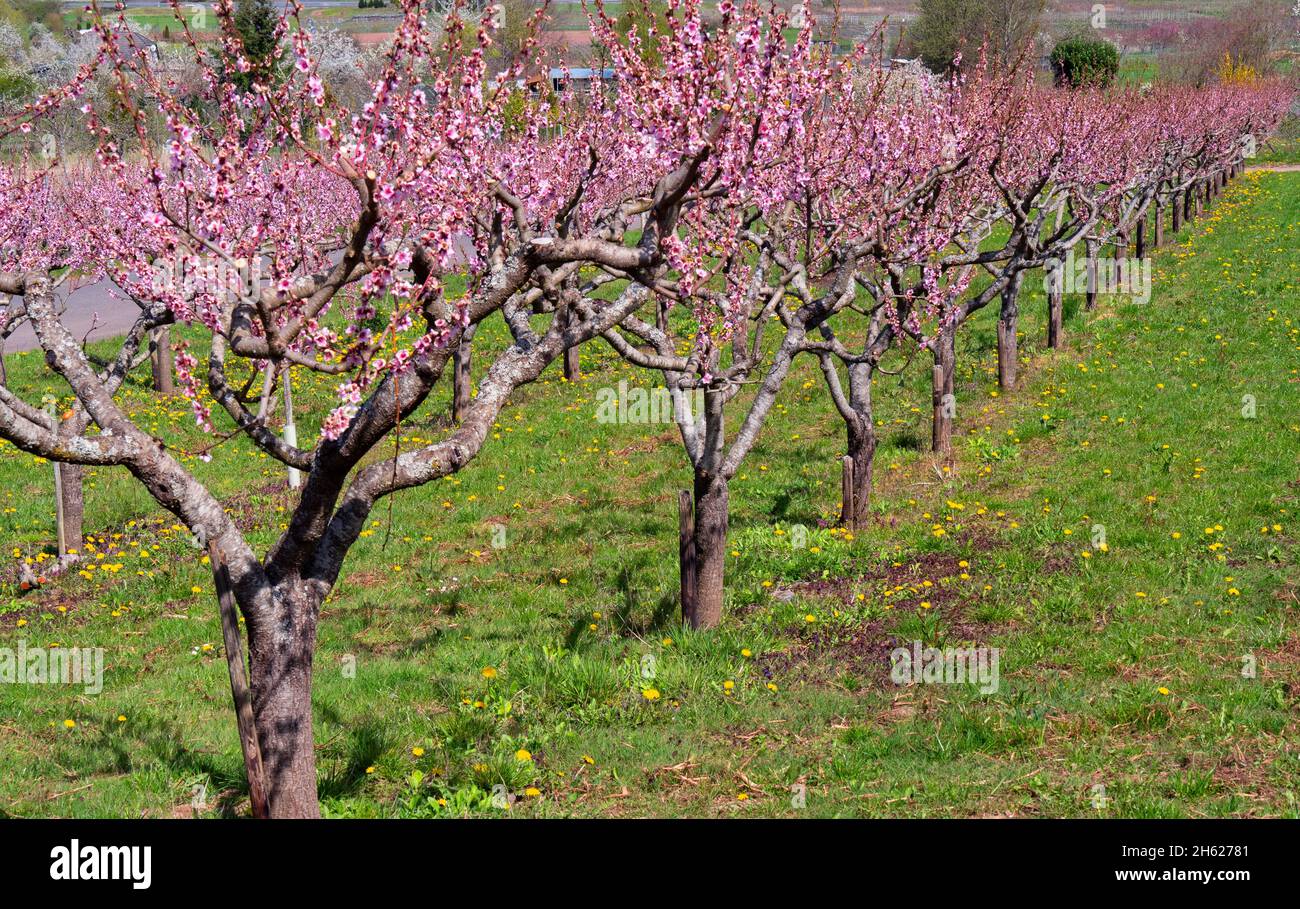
column 862, row 452
column 160, row 360
column 942, row 384
column 1140, row 244
column 1121, row 259
column 1189, row 203
column 1159, row 235
column 711, row 517
column 1178, row 208
column 1055, row 306
column 1008, row 345
column 280, row 664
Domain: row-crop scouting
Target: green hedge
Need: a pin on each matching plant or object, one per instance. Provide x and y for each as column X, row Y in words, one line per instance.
column 1085, row 61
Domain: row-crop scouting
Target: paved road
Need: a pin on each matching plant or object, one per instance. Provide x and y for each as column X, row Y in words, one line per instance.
column 87, row 307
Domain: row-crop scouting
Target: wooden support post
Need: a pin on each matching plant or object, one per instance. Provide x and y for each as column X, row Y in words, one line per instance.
column 1055, row 304
column 571, row 366
column 460, row 376
column 290, row 428
column 60, row 528
column 160, row 360
column 848, row 507
column 1090, row 289
column 686, row 552
column 239, row 689
column 941, row 435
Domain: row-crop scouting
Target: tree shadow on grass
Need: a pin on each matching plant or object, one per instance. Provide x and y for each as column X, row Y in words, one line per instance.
column 122, row 748
column 342, row 765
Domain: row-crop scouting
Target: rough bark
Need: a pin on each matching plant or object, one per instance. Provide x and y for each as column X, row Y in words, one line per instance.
column 280, row 650
column 942, row 386
column 1159, row 233
column 711, row 519
column 862, row 450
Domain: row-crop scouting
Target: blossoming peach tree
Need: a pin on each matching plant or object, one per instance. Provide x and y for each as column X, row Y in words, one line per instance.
column 289, row 232
column 311, row 222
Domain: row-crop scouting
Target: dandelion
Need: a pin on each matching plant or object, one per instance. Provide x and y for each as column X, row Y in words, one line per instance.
column 650, row 694
column 523, row 755
column 489, row 672
column 417, row 751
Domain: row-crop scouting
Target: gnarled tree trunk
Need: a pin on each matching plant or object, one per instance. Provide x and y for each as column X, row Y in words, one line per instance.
column 280, row 649
column 862, row 450
column 712, row 513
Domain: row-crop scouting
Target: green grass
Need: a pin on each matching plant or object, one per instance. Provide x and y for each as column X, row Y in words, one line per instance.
column 1138, row 427
column 1278, row 151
